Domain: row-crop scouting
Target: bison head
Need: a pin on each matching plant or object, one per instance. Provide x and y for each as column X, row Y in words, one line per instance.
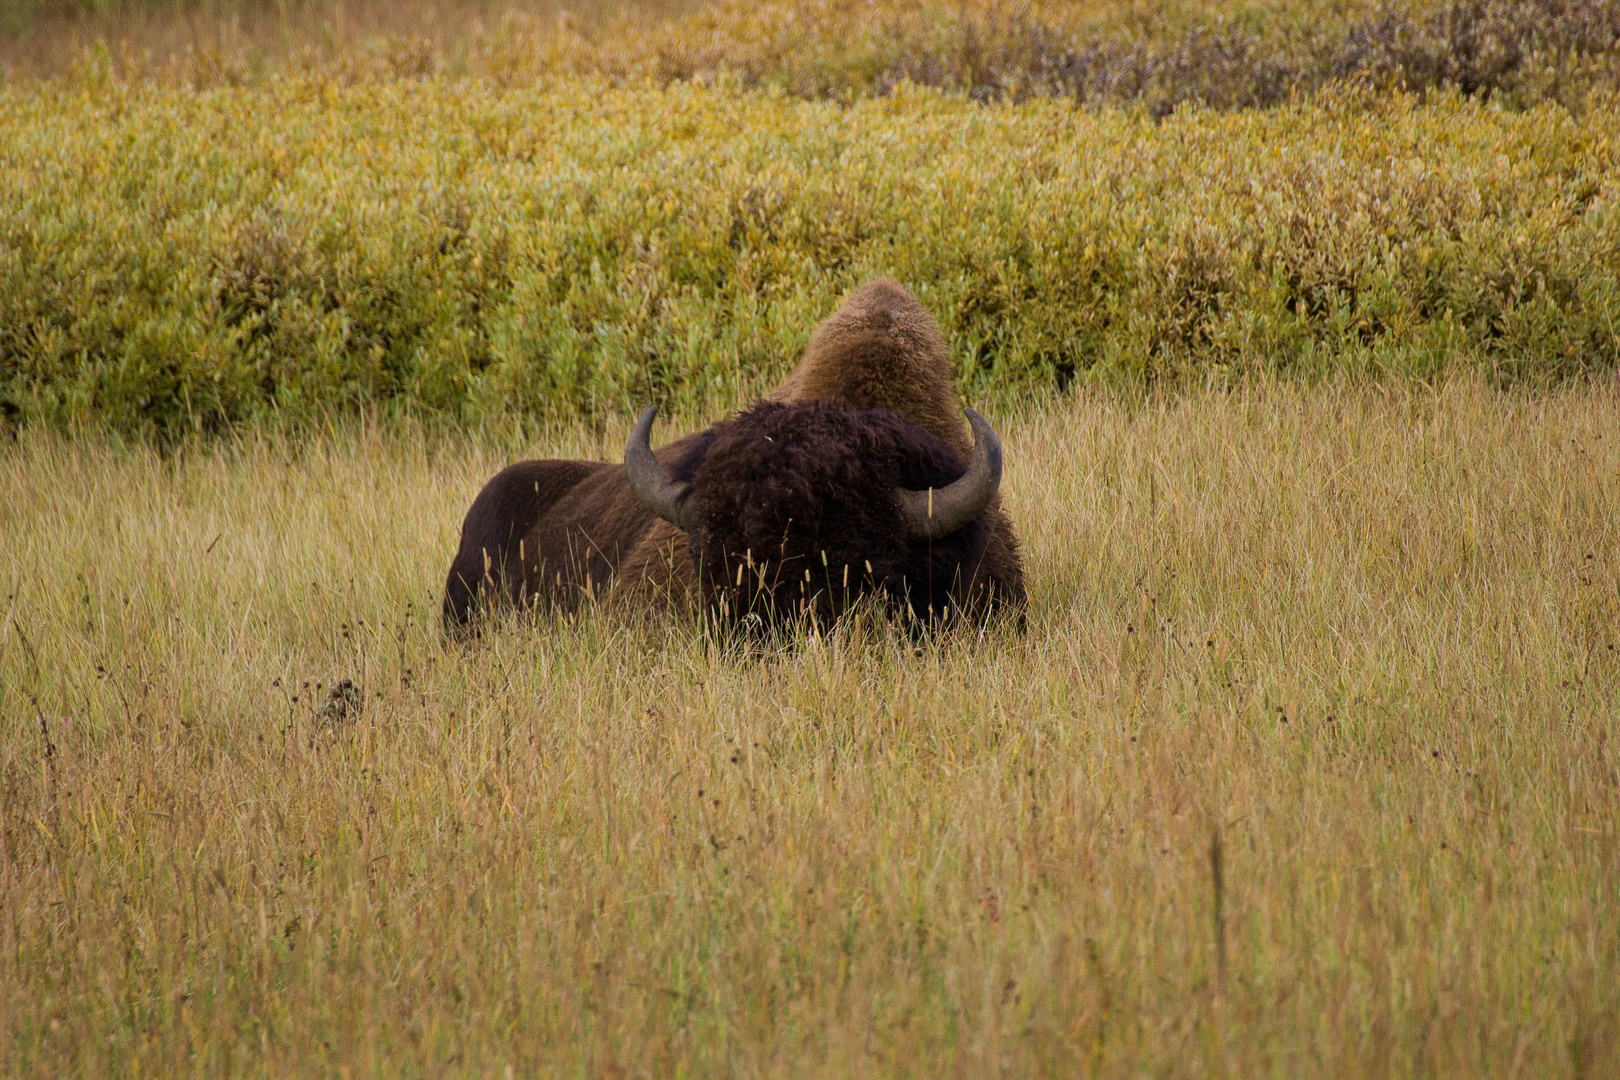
column 798, row 510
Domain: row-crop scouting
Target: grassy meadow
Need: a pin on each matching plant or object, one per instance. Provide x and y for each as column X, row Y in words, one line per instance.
column 1298, row 321
column 1363, row 638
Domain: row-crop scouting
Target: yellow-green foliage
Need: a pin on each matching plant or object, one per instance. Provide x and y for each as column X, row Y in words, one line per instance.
column 1154, row 53
column 1366, row 636
column 1150, row 53
column 173, row 259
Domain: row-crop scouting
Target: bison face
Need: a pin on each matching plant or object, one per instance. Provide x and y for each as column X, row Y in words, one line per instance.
column 799, row 510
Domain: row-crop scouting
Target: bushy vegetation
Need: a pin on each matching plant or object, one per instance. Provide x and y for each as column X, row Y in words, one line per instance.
column 1365, row 637
column 1156, row 54
column 1306, row 763
column 173, row 260
column 611, row 209
column 1153, row 54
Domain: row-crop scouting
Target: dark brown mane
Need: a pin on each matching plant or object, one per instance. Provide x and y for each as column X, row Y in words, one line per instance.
column 796, row 501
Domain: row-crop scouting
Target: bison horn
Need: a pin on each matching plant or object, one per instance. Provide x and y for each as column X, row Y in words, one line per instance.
column 669, row 499
column 938, row 512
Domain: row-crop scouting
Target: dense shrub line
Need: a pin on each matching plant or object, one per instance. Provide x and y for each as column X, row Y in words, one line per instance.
column 1153, row 54
column 1156, row 55
column 172, row 260
column 1527, row 49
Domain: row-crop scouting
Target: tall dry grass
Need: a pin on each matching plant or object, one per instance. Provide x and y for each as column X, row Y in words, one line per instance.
column 1355, row 646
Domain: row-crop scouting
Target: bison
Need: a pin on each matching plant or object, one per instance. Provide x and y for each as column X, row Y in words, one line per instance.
column 853, row 479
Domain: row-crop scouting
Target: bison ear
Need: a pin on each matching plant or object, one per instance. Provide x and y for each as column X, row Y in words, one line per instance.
column 669, row 499
column 937, row 512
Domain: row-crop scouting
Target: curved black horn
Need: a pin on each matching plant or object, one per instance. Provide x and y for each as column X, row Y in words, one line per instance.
column 938, row 512
column 669, row 499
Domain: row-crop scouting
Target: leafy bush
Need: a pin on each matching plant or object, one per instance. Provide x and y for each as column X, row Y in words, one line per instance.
column 1156, row 54
column 1532, row 50
column 173, row 260
column 1152, row 53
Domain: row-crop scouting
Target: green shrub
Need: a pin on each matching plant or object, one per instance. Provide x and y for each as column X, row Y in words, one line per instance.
column 174, row 260
column 1529, row 50
column 1156, row 54
column 1153, row 54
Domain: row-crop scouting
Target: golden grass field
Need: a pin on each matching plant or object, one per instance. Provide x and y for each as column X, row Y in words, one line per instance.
column 1298, row 321
column 1362, row 636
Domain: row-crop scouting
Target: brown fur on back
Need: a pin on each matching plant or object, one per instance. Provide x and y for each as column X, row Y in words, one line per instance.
column 882, row 350
column 561, row 541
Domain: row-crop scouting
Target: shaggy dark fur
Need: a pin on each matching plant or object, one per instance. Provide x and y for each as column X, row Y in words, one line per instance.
column 548, row 534
column 780, row 490
column 811, row 471
column 797, row 515
column 498, row 536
